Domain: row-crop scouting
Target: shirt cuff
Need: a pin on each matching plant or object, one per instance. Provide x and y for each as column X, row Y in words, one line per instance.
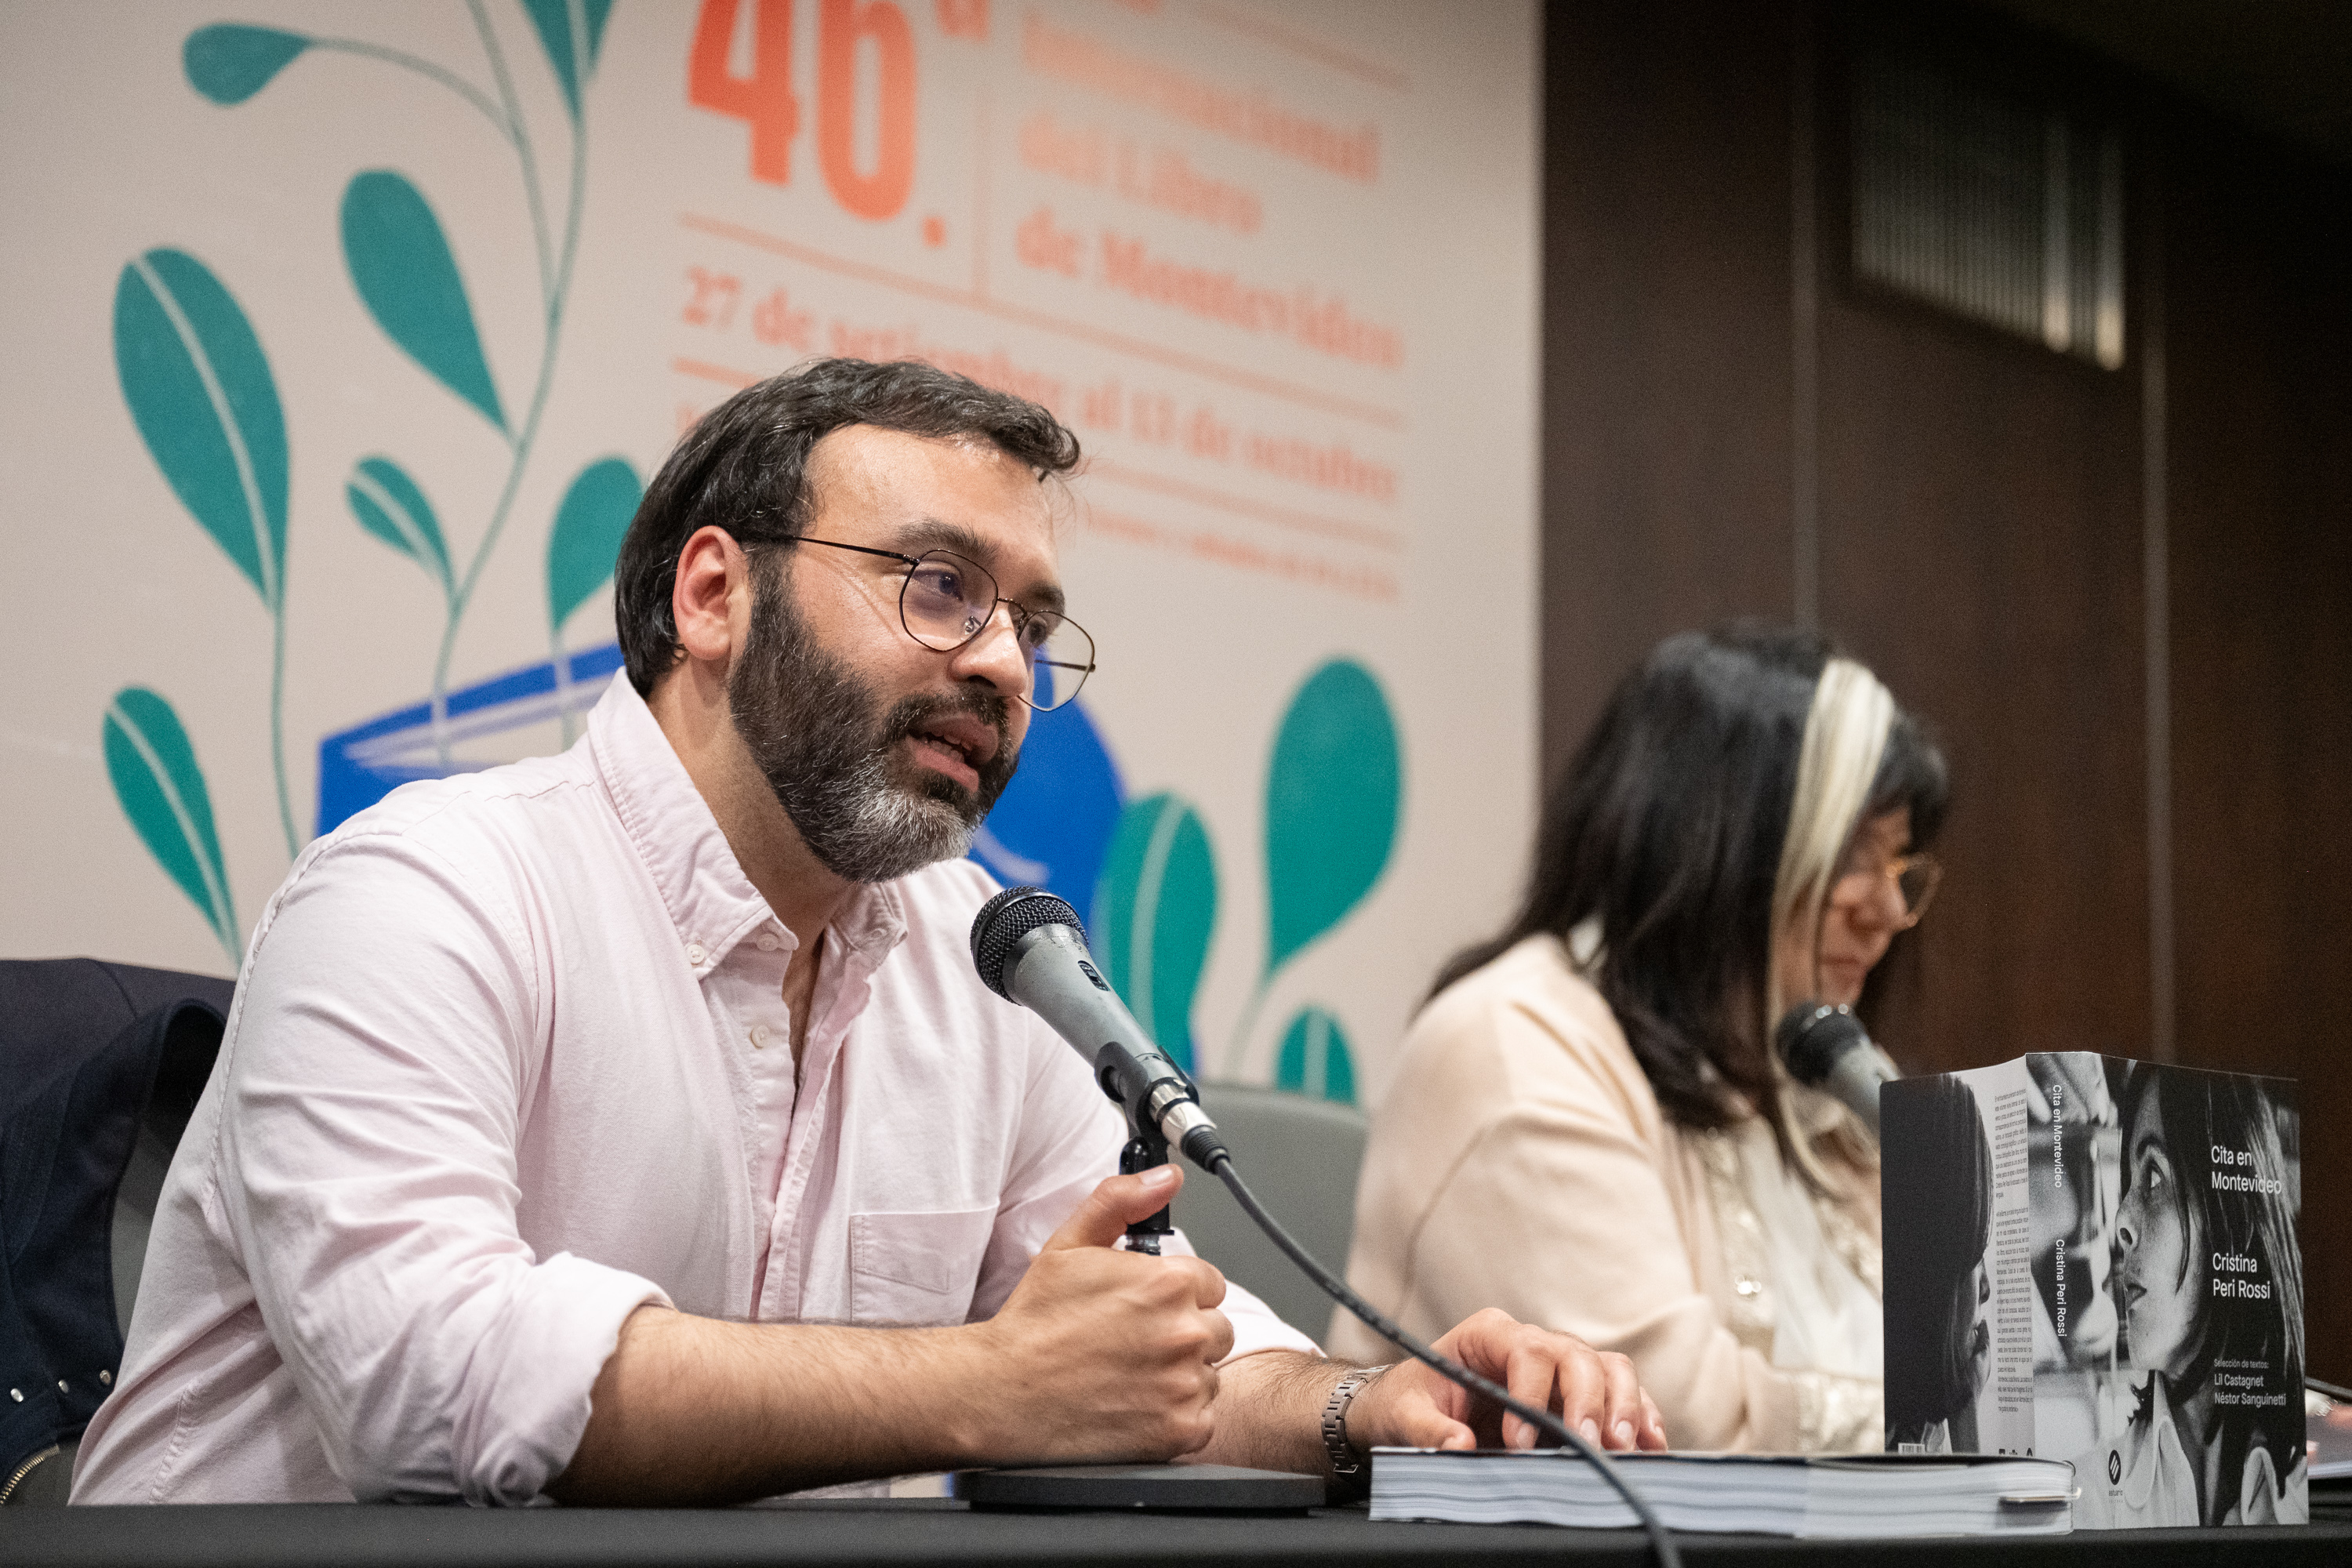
column 527, row 1394
column 1255, row 1328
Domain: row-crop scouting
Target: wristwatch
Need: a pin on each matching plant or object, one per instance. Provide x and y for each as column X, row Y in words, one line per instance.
column 1335, row 1420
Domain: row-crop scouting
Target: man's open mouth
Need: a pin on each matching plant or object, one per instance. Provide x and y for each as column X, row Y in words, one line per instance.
column 957, row 744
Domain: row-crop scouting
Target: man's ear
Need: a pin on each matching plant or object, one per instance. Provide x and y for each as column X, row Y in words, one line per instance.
column 710, row 600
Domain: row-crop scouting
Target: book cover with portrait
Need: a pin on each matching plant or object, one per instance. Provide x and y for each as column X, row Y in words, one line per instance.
column 2094, row 1259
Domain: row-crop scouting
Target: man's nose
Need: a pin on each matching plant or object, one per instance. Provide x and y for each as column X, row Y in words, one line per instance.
column 994, row 655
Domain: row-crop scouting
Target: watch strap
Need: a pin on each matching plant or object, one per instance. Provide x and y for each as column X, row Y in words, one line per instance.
column 1335, row 1420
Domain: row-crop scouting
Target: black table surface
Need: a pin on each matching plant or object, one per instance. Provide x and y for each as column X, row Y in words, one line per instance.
column 928, row 1530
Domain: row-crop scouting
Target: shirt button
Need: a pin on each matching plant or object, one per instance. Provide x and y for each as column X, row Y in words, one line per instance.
column 770, row 941
column 760, row 1036
column 694, row 953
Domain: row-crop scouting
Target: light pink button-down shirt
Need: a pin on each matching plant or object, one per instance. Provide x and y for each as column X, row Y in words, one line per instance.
column 508, row 1059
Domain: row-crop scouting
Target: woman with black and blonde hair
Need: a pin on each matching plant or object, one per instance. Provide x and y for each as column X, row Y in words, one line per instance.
column 1588, row 1125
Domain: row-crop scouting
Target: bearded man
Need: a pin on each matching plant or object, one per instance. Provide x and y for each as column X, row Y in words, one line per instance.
column 630, row 1126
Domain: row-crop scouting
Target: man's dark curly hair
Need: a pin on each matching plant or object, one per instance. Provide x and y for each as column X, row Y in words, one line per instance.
column 744, row 467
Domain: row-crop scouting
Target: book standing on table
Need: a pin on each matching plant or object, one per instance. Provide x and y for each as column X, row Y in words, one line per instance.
column 2096, row 1260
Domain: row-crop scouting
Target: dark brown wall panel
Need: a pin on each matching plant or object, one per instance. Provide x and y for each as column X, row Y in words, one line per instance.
column 2262, row 653
column 1980, row 549
column 1665, row 389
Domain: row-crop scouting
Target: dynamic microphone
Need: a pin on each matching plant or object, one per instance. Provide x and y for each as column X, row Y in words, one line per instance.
column 1030, row 949
column 1828, row 1047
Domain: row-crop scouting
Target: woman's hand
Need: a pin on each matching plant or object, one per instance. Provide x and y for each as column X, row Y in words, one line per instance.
column 1593, row 1392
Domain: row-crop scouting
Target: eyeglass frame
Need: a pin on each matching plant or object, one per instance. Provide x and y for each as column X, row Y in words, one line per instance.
column 1893, row 871
column 1019, row 614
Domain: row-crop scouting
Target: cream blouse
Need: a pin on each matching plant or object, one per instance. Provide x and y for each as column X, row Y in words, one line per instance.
column 1519, row 1160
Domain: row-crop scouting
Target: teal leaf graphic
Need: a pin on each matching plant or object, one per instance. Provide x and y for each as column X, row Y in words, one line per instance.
column 1154, row 911
column 231, row 62
column 1332, row 798
column 586, row 539
column 389, row 505
column 573, row 63
column 401, row 264
column 162, row 791
column 1314, row 1058
column 201, row 393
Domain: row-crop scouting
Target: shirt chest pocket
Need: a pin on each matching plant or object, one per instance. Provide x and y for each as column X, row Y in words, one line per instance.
column 916, row 1267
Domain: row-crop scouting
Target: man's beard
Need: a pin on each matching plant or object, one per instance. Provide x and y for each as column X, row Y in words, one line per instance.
column 866, row 812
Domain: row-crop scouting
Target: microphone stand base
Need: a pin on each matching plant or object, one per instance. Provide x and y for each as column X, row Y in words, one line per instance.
column 1156, row 1489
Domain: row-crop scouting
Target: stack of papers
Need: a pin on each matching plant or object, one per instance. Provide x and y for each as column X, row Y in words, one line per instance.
column 1767, row 1494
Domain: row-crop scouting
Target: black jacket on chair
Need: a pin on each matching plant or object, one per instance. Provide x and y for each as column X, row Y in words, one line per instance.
column 91, row 1053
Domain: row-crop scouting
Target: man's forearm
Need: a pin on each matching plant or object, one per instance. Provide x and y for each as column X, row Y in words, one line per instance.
column 691, row 1410
column 1270, row 1412
column 1098, row 1355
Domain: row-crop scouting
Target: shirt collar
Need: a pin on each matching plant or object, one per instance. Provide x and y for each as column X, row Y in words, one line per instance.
column 710, row 900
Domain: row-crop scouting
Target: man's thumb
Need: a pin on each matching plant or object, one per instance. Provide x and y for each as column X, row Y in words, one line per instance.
column 1114, row 1205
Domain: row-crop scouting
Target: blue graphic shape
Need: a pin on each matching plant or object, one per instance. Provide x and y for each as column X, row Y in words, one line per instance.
column 359, row 766
column 1053, row 824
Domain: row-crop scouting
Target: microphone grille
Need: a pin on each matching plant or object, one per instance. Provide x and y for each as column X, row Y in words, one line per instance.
column 1005, row 919
column 1813, row 1037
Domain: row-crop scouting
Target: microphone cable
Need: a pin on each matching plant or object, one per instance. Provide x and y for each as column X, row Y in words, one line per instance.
column 1661, row 1542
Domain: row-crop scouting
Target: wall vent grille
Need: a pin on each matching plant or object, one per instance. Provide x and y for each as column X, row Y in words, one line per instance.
column 2008, row 215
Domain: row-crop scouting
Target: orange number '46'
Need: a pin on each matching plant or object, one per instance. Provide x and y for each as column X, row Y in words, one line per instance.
column 765, row 100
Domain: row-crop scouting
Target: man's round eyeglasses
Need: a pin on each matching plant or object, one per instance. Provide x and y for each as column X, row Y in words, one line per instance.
column 947, row 600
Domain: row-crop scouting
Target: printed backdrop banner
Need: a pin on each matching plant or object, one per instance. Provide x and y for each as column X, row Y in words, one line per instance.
column 342, row 340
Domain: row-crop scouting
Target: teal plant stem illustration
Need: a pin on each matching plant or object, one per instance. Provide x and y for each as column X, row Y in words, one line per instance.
column 1154, row 912
column 553, row 292
column 161, row 789
column 1315, row 1059
column 580, row 550
column 401, row 261
column 505, row 115
column 392, row 506
column 1334, row 791
column 518, row 135
column 231, row 61
column 201, row 391
column 426, row 69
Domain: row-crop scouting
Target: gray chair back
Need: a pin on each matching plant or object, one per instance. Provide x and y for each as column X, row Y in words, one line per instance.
column 1300, row 1157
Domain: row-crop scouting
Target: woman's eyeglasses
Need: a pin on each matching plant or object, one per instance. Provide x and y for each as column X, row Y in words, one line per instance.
column 1914, row 878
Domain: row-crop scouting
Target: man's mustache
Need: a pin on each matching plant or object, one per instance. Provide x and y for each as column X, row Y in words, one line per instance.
column 911, row 713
